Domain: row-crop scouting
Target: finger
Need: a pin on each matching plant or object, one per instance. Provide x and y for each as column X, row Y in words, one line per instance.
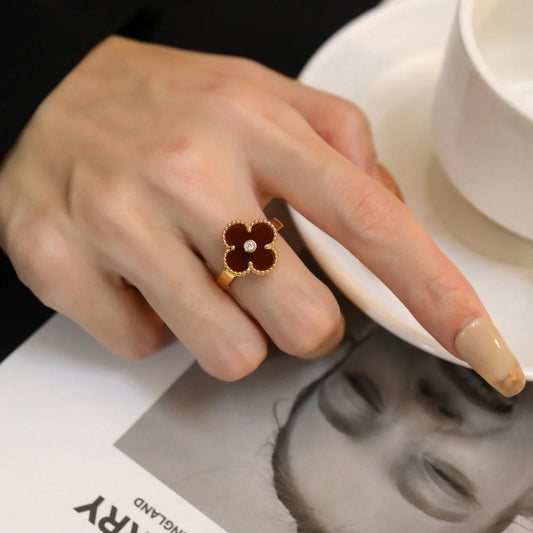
column 130, row 234
column 296, row 310
column 132, row 230
column 339, row 122
column 379, row 229
column 176, row 283
column 64, row 277
column 114, row 313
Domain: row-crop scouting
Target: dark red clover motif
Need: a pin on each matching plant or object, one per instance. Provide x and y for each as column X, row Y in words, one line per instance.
column 249, row 248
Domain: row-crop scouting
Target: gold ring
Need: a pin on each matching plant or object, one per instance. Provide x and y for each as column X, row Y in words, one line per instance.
column 249, row 248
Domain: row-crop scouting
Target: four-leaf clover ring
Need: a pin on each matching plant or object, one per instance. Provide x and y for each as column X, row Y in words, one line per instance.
column 249, row 248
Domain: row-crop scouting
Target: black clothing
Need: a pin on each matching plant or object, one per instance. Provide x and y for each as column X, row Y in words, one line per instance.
column 42, row 40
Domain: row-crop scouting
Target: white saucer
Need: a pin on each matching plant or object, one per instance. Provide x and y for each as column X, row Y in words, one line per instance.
column 387, row 61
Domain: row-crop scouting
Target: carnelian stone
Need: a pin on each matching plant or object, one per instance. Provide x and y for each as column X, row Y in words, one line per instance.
column 236, row 234
column 262, row 234
column 238, row 259
column 263, row 259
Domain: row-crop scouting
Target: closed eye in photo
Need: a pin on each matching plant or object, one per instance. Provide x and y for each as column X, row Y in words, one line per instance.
column 449, row 479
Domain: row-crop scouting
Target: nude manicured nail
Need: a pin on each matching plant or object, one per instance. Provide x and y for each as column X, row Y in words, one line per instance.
column 483, row 348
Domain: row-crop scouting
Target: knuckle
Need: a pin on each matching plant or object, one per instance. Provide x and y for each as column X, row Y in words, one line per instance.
column 231, row 102
column 352, row 116
column 41, row 257
column 231, row 362
column 310, row 327
column 230, row 87
column 186, row 177
column 174, row 171
column 371, row 215
column 348, row 116
column 110, row 211
column 240, row 64
column 344, row 113
column 145, row 340
column 356, row 126
column 344, row 126
column 443, row 289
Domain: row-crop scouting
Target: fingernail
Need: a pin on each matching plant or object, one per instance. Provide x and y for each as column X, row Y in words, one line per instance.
column 483, row 348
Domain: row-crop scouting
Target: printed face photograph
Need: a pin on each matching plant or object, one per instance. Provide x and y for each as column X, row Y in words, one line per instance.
column 378, row 436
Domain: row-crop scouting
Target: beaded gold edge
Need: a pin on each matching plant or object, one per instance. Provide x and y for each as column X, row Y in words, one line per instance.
column 269, row 246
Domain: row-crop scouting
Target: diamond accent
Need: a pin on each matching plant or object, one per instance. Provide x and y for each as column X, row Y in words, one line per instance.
column 250, row 246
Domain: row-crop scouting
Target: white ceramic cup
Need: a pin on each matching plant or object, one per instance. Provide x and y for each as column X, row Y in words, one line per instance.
column 483, row 113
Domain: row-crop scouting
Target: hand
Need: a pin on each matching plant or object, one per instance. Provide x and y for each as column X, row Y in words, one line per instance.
column 114, row 198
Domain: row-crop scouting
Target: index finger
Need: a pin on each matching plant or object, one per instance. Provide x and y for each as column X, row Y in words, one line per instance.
column 386, row 237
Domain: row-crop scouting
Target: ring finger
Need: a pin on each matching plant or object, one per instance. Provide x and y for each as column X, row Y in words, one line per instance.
column 297, row 311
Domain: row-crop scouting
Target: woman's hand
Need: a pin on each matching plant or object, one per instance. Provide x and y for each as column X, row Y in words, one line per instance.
column 115, row 195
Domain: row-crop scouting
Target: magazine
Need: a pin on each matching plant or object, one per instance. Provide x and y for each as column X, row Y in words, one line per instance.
column 377, row 436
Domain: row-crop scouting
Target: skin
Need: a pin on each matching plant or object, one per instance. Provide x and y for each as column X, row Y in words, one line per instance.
column 423, row 424
column 113, row 199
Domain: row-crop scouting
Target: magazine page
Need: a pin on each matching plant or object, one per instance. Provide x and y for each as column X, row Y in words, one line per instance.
column 64, row 402
column 377, row 437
